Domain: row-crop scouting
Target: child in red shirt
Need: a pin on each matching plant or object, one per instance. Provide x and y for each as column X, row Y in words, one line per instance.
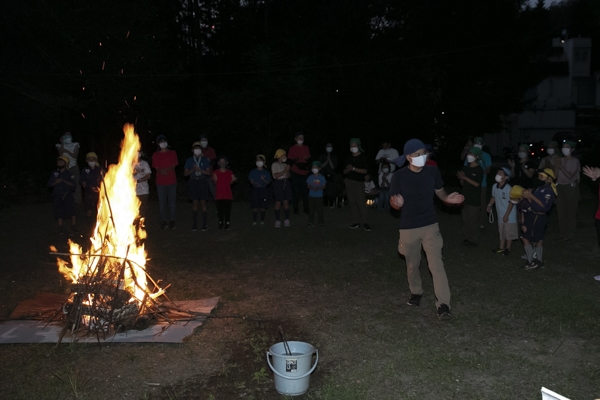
column 223, row 179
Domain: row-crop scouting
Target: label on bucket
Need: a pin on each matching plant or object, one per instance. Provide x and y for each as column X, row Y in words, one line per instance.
column 291, row 365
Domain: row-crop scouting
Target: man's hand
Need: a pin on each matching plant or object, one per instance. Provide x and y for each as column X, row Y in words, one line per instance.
column 397, row 201
column 591, row 172
column 455, row 198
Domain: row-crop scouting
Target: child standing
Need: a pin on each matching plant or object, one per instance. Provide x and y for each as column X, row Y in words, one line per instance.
column 385, row 177
column 90, row 179
column 536, row 205
column 198, row 168
column 506, row 211
column 259, row 179
column 164, row 160
column 282, row 187
column 316, row 183
column 470, row 178
column 141, row 175
column 223, row 179
column 62, row 182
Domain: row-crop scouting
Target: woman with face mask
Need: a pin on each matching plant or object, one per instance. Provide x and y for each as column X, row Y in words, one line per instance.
column 164, row 160
column 523, row 171
column 568, row 191
column 552, row 157
column 329, row 164
column 282, row 188
column 355, row 169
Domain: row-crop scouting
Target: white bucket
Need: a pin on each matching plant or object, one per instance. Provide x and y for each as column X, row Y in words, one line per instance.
column 292, row 373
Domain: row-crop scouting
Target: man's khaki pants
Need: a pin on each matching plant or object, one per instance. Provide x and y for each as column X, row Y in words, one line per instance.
column 409, row 245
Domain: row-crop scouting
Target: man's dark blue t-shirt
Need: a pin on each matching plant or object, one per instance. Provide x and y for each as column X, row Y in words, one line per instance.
column 418, row 189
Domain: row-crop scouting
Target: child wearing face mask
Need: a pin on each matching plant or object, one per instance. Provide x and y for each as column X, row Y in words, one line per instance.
column 62, row 181
column 316, row 183
column 141, row 175
column 506, row 211
column 282, row 187
column 551, row 160
column 385, row 178
column 223, row 179
column 535, row 207
column 470, row 178
column 198, row 168
column 523, row 170
column 90, row 180
column 259, row 178
column 568, row 191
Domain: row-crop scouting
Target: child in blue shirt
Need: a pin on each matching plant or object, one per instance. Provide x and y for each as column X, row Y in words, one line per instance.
column 62, row 182
column 316, row 183
column 259, row 178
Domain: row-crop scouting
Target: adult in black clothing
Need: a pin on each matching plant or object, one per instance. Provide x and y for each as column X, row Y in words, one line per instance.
column 524, row 171
column 329, row 163
column 355, row 169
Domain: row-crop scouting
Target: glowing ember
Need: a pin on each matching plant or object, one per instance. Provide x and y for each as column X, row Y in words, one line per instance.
column 111, row 276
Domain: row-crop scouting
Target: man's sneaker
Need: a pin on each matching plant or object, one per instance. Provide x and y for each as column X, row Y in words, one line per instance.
column 277, row 224
column 498, row 251
column 262, row 223
column 444, row 312
column 415, row 300
column 367, row 227
column 172, row 225
column 354, row 226
column 227, row 225
column 163, row 226
column 204, row 228
column 286, row 223
column 254, row 223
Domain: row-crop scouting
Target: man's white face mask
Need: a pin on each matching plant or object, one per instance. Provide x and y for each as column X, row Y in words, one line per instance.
column 419, row 161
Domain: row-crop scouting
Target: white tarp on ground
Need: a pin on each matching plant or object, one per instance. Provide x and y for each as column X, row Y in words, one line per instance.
column 27, row 331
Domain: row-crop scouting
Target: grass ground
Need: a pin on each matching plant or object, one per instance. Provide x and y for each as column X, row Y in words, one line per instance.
column 342, row 290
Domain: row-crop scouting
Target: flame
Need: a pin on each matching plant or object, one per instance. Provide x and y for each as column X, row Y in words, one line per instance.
column 115, row 238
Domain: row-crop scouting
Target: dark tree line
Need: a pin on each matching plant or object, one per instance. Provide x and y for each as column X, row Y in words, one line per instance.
column 251, row 73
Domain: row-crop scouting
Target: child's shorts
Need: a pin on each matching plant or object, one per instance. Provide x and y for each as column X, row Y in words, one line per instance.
column 508, row 231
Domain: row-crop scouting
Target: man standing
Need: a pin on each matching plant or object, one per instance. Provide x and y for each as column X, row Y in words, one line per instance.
column 568, row 191
column 412, row 191
column 485, row 162
column 355, row 169
column 386, row 155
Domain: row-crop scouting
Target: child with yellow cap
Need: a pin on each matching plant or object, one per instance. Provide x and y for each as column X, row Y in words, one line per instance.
column 535, row 207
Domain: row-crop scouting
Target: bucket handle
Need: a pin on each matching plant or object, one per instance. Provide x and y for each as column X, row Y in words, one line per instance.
column 295, row 377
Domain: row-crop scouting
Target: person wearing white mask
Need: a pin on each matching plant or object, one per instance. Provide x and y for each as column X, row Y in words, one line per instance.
column 470, row 178
column 299, row 155
column 385, row 178
column 568, row 196
column 70, row 149
column 552, row 158
column 523, row 171
column 260, row 179
column 198, row 169
column 315, row 183
column 142, row 174
column 282, row 188
column 355, row 169
column 506, row 211
column 485, row 161
column 387, row 154
column 329, row 163
column 412, row 191
column 164, row 160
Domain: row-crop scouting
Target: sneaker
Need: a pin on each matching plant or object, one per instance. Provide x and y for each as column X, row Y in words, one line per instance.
column 172, row 225
column 220, row 224
column 262, row 223
column 321, row 225
column 354, row 226
column 506, row 252
column 415, row 300
column 498, row 251
column 481, row 226
column 60, row 230
column 204, row 228
column 286, row 223
column 310, row 225
column 195, row 228
column 163, row 226
column 227, row 225
column 535, row 264
column 367, row 227
column 254, row 223
column 444, row 312
column 277, row 224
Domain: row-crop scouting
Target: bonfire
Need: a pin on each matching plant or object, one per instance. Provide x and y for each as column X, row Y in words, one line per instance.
column 111, row 290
